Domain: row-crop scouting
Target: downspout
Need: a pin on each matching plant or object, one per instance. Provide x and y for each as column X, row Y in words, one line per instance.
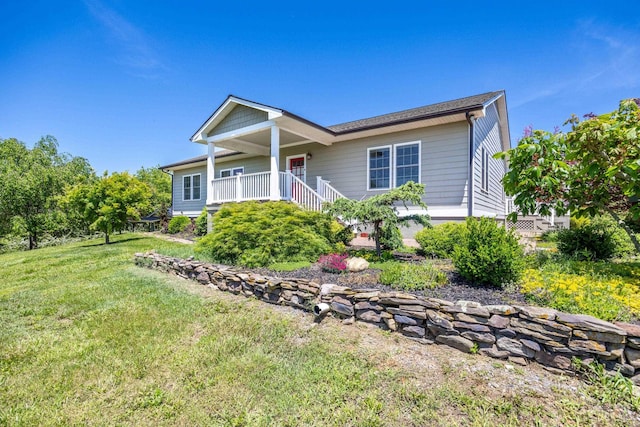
column 470, row 179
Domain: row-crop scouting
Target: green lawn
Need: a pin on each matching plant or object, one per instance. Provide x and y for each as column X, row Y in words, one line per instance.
column 86, row 338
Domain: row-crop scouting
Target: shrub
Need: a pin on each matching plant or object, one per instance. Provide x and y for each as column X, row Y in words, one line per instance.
column 597, row 238
column 178, row 224
column 607, row 290
column 259, row 234
column 410, row 277
column 390, row 237
column 489, row 254
column 201, row 223
column 440, row 240
column 333, row 263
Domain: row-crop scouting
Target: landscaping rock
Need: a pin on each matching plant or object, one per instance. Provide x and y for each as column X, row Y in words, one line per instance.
column 525, row 327
column 589, row 323
column 419, row 315
column 518, row 360
column 477, row 311
column 494, row 352
column 514, row 347
column 458, row 342
column 471, row 326
column 406, row 320
column 463, row 317
column 391, row 324
column 599, row 336
column 368, row 316
column 631, row 329
column 633, row 357
column 553, row 360
column 345, row 310
column 414, row 331
column 479, row 337
column 588, row 346
column 365, row 305
column 498, row 322
column 357, row 264
column 500, row 309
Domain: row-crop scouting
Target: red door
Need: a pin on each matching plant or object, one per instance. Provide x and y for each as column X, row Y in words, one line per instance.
column 296, row 166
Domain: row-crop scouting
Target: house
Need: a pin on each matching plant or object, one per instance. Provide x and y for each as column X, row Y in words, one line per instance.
column 271, row 154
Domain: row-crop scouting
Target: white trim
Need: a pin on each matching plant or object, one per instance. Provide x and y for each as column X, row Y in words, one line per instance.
column 231, row 171
column 247, row 130
column 221, row 113
column 304, row 157
column 190, row 214
column 395, row 156
column 192, row 199
column 484, row 170
column 380, row 147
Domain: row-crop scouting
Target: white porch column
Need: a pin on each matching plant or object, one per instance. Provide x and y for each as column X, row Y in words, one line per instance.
column 211, row 171
column 275, row 163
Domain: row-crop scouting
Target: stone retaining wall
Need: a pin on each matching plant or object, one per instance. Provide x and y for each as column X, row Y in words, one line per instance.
column 518, row 333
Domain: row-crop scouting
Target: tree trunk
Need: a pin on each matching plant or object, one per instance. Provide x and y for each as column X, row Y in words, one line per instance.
column 376, row 235
column 629, row 231
column 106, row 238
column 33, row 243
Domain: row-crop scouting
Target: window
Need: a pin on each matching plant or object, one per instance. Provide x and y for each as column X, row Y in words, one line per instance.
column 386, row 170
column 379, row 168
column 231, row 172
column 191, row 187
column 485, row 170
column 407, row 163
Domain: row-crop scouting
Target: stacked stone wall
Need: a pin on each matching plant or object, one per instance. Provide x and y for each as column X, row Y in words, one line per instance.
column 520, row 334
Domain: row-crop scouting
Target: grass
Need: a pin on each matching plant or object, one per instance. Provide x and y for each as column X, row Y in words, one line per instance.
column 87, row 338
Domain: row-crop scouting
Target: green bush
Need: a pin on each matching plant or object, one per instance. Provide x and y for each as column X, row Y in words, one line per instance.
column 440, row 240
column 178, row 224
column 410, row 277
column 597, row 238
column 259, row 234
column 390, row 237
column 489, row 254
column 201, row 223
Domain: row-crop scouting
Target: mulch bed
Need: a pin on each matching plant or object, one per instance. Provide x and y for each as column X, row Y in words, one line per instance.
column 456, row 289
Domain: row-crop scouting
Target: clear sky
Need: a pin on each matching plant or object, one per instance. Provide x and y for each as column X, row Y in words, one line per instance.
column 125, row 83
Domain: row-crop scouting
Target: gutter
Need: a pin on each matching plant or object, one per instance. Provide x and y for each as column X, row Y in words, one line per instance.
column 470, row 190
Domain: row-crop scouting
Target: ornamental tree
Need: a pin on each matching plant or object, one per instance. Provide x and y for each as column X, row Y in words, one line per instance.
column 110, row 202
column 380, row 211
column 593, row 169
column 32, row 182
column 160, row 186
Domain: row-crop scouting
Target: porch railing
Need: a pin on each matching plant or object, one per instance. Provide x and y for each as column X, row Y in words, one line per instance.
column 257, row 186
column 252, row 186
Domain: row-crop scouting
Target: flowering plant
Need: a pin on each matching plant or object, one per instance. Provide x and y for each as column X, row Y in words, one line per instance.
column 333, row 263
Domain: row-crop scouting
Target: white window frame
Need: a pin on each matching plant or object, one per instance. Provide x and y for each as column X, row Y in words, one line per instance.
column 484, row 170
column 192, row 199
column 393, row 172
column 395, row 156
column 369, row 150
column 232, row 171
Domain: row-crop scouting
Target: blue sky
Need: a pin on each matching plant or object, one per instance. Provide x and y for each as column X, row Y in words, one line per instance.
column 126, row 83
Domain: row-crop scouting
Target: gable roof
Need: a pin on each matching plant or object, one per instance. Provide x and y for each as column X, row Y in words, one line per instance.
column 420, row 113
column 341, row 131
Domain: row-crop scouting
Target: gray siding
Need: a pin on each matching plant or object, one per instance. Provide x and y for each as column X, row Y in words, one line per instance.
column 487, row 136
column 443, row 163
column 241, row 116
column 188, row 207
column 251, row 165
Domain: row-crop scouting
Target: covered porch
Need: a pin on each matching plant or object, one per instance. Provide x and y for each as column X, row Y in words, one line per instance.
column 258, row 130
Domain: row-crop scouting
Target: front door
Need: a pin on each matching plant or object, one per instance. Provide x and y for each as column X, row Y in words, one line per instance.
column 296, row 166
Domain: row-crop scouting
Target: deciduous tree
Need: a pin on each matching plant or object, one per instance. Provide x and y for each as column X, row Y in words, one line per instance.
column 108, row 203
column 592, row 169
